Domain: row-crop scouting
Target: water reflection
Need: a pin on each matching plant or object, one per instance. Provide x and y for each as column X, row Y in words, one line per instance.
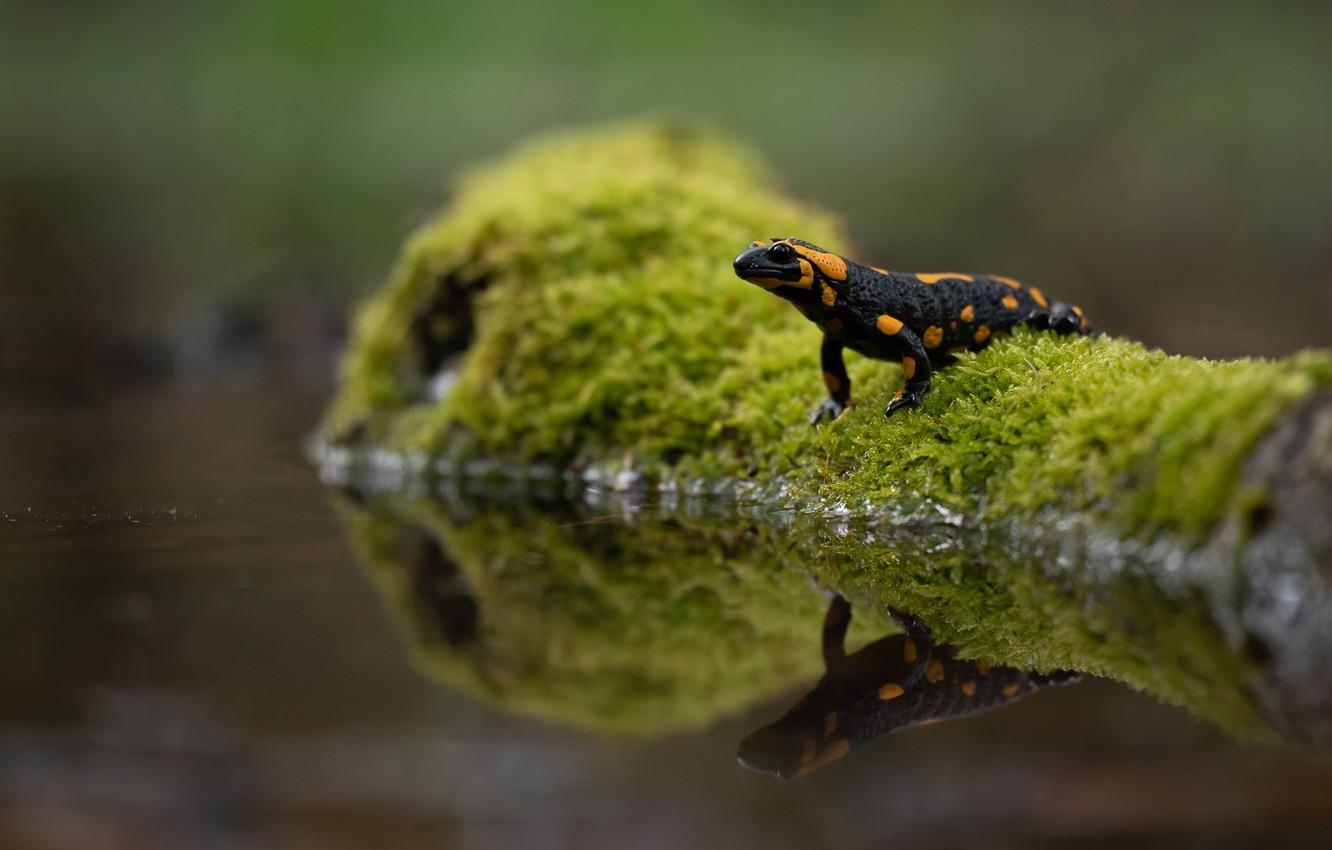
column 897, row 681
column 573, row 616
column 226, row 678
column 625, row 623
column 681, row 606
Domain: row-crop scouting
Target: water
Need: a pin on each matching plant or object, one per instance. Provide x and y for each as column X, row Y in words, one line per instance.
column 195, row 657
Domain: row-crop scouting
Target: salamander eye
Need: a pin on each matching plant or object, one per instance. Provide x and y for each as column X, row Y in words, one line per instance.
column 781, row 252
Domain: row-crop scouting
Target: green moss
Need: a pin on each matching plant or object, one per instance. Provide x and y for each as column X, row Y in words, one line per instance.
column 607, row 324
column 592, row 264
column 1146, row 441
column 585, row 284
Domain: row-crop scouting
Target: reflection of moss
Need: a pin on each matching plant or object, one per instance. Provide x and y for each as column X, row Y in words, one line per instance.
column 649, row 628
column 585, row 284
column 988, row 594
column 623, row 629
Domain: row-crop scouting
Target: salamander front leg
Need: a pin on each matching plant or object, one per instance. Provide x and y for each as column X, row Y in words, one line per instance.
column 835, row 379
column 835, row 624
column 916, row 370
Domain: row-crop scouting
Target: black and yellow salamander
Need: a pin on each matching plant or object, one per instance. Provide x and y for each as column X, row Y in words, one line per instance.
column 919, row 319
column 897, row 681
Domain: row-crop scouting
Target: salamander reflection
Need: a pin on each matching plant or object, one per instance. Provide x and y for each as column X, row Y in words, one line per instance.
column 897, row 681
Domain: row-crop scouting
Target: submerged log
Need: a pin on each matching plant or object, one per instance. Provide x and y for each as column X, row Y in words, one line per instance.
column 1056, row 503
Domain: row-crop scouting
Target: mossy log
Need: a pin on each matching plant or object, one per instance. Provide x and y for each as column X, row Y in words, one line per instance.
column 1162, row 520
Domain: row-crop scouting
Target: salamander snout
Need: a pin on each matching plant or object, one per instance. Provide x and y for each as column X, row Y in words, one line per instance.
column 768, row 266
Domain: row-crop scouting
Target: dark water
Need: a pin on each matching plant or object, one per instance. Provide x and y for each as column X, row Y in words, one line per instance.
column 194, row 658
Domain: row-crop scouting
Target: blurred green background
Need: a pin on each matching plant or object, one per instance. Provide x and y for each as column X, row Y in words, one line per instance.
column 195, row 172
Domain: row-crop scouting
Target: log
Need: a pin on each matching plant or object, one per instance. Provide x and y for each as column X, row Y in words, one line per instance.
column 1056, row 502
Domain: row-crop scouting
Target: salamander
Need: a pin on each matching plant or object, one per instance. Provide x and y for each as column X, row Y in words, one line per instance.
column 897, row 681
column 918, row 319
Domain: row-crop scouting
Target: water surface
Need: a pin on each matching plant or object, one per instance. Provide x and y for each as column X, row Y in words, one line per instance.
column 195, row 658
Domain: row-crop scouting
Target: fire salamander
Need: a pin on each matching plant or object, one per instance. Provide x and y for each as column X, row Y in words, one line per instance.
column 919, row 319
column 898, row 681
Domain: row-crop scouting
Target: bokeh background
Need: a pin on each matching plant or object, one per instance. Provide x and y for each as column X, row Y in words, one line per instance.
column 175, row 165
column 191, row 195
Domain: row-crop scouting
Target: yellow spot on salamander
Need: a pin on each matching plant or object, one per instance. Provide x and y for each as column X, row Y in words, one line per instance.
column 1011, row 690
column 829, row 296
column 968, row 313
column 909, row 372
column 1009, row 302
column 888, row 325
column 879, row 270
column 932, row 337
column 806, row 275
column 935, row 278
column 969, row 688
column 832, row 752
column 829, row 724
column 934, row 672
column 1007, row 281
column 909, row 651
column 982, row 333
column 757, row 243
column 982, row 667
column 830, row 381
column 1038, row 297
column 892, row 690
column 807, row 749
column 832, row 266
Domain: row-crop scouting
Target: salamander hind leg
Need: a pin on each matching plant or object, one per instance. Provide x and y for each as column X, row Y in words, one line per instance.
column 1056, row 678
column 917, row 646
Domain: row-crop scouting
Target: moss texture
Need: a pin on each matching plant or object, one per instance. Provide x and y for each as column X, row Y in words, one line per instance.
column 580, row 291
column 590, row 265
column 587, row 280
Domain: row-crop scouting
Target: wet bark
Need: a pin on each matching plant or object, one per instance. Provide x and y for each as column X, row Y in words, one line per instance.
column 1286, row 564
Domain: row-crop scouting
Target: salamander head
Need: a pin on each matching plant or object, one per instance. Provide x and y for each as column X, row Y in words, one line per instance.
column 810, row 735
column 793, row 746
column 788, row 262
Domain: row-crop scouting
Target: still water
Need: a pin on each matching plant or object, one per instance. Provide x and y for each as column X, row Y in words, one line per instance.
column 204, row 648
